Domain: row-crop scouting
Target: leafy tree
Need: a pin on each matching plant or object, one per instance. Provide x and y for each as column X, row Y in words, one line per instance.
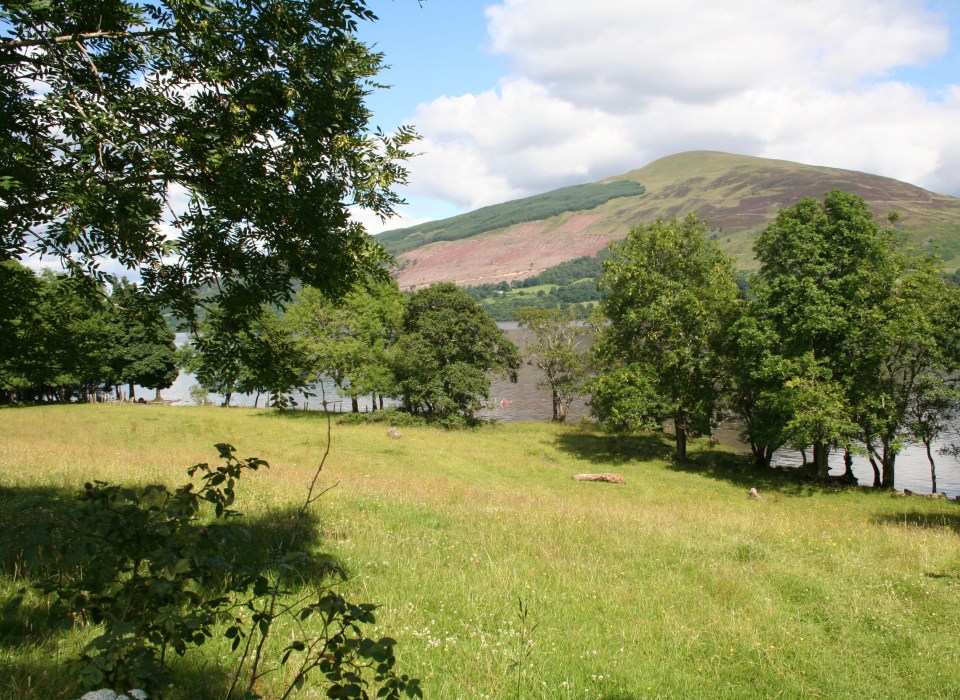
column 19, row 294
column 143, row 351
column 259, row 357
column 446, row 347
column 670, row 295
column 116, row 111
column 849, row 312
column 557, row 352
column 900, row 384
column 66, row 340
column 347, row 339
column 757, row 376
column 933, row 409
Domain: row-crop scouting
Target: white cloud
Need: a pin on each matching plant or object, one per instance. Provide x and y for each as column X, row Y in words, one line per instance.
column 514, row 141
column 617, row 52
column 373, row 224
column 605, row 87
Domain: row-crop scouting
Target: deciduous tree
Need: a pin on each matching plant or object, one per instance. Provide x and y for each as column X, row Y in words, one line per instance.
column 670, row 295
column 848, row 310
column 447, row 346
column 348, row 339
column 141, row 343
column 213, row 147
column 558, row 352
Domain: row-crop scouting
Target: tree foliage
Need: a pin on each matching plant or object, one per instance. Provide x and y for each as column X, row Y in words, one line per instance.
column 142, row 344
column 207, row 145
column 348, row 339
column 853, row 324
column 256, row 358
column 558, row 352
column 670, row 296
column 446, row 348
column 67, row 339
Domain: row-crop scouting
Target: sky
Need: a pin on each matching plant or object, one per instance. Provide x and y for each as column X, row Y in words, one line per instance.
column 518, row 97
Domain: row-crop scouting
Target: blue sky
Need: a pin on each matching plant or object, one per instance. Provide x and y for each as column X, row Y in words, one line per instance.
column 516, row 97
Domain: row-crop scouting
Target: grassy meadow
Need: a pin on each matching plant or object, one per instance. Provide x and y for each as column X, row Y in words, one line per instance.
column 673, row 585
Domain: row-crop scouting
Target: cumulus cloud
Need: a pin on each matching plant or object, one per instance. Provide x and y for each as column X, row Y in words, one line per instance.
column 617, row 52
column 601, row 88
column 518, row 139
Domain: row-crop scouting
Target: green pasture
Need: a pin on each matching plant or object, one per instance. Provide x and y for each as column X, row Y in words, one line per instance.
column 502, row 577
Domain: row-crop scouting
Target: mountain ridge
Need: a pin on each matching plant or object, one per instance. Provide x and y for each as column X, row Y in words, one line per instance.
column 737, row 195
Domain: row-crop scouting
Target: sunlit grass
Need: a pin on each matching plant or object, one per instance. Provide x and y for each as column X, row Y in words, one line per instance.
column 673, row 585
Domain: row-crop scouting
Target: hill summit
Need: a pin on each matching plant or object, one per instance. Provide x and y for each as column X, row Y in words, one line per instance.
column 737, row 195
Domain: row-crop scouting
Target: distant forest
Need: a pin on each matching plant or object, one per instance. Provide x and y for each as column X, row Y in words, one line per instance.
column 571, row 283
column 497, row 216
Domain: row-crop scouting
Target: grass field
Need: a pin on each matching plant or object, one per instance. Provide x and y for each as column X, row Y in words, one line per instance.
column 672, row 585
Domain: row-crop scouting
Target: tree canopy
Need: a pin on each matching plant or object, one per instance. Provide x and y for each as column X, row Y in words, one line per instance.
column 670, row 295
column 215, row 147
column 558, row 352
column 447, row 346
column 348, row 339
column 64, row 338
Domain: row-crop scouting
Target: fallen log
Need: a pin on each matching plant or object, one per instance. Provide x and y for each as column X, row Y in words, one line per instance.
column 610, row 478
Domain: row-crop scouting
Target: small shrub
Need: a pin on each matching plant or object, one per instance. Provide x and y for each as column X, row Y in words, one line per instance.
column 161, row 576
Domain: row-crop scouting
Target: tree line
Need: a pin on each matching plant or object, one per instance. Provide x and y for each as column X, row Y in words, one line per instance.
column 66, row 338
column 843, row 338
column 431, row 350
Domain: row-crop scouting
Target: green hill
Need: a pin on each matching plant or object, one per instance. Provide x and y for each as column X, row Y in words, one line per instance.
column 497, row 216
column 737, row 195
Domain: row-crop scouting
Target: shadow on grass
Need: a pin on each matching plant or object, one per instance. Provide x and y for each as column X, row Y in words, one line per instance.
column 740, row 470
column 316, row 416
column 36, row 679
column 40, row 541
column 615, row 449
column 702, row 458
column 925, row 521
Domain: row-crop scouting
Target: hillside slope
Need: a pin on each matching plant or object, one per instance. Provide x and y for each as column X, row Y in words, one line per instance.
column 737, row 195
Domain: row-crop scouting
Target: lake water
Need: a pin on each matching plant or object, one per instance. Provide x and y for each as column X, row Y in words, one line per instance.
column 526, row 401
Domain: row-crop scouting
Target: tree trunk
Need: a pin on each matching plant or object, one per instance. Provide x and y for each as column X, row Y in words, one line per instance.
column 762, row 455
column 757, row 451
column 848, row 465
column 681, row 434
column 130, row 388
column 226, row 399
column 933, row 466
column 876, row 472
column 889, row 466
column 821, row 459
column 373, row 403
column 355, row 404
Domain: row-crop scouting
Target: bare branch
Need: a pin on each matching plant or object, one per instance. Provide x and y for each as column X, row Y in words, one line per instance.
column 12, row 44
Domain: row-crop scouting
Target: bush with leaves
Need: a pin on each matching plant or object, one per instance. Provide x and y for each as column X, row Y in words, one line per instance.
column 163, row 573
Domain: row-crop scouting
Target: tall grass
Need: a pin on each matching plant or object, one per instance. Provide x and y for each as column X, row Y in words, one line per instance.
column 673, row 585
